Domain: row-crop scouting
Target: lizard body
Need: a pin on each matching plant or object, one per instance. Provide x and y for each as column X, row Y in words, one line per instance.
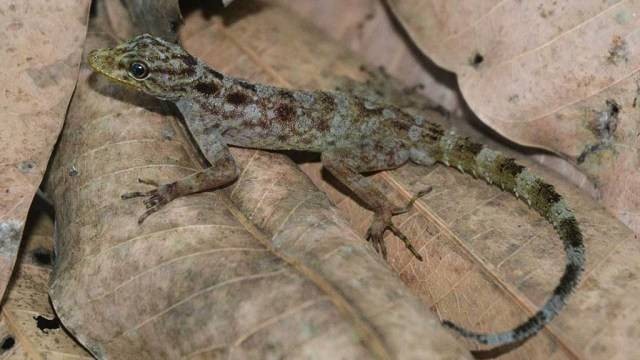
column 353, row 135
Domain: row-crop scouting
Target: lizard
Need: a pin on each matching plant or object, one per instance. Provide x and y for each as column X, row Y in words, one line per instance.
column 353, row 135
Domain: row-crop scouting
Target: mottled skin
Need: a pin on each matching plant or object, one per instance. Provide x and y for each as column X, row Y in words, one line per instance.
column 353, row 135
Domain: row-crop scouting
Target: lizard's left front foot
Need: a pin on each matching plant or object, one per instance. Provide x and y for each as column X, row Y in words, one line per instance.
column 155, row 199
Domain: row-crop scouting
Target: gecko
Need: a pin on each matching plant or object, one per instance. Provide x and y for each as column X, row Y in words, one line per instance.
column 353, row 135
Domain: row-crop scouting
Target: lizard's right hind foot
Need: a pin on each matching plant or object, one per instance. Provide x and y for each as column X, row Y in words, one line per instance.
column 375, row 234
column 382, row 221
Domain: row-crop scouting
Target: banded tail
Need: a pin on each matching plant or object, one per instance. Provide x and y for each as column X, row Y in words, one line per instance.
column 492, row 166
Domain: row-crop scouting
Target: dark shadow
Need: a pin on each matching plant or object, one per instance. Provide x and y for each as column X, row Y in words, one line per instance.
column 7, row 343
column 42, row 256
column 236, row 11
column 40, row 206
column 45, row 324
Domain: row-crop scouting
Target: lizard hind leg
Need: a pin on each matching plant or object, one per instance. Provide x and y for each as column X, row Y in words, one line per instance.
column 342, row 165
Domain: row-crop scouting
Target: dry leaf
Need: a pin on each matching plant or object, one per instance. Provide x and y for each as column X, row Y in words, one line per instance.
column 29, row 328
column 490, row 261
column 555, row 75
column 40, row 47
column 198, row 278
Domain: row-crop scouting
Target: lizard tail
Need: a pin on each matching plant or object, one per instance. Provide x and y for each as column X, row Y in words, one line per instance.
column 494, row 167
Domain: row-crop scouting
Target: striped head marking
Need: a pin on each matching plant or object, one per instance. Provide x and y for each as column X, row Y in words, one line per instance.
column 148, row 64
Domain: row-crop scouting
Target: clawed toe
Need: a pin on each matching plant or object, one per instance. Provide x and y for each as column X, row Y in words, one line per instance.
column 148, row 182
column 382, row 221
column 147, row 213
column 132, row 194
column 155, row 199
column 376, row 239
column 376, row 231
column 414, row 198
column 405, row 240
column 153, row 204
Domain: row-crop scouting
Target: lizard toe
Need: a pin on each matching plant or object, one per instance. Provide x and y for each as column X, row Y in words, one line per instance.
column 375, row 235
column 148, row 182
column 153, row 200
column 414, row 198
column 405, row 240
column 132, row 194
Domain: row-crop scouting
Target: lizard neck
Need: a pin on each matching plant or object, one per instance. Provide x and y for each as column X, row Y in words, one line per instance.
column 208, row 85
column 215, row 89
column 256, row 115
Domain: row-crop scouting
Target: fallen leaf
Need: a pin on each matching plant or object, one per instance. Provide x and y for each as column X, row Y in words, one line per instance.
column 29, row 328
column 41, row 46
column 555, row 75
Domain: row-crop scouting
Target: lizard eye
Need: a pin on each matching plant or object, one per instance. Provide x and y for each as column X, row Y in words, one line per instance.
column 138, row 70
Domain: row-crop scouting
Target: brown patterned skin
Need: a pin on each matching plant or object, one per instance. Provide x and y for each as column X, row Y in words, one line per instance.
column 353, row 135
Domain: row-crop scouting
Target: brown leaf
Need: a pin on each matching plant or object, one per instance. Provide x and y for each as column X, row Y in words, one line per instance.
column 555, row 75
column 29, row 328
column 40, row 47
column 489, row 260
column 199, row 278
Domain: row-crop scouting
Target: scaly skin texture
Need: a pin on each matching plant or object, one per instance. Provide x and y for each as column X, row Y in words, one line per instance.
column 353, row 135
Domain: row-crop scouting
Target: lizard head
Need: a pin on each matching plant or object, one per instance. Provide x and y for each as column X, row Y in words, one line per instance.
column 148, row 64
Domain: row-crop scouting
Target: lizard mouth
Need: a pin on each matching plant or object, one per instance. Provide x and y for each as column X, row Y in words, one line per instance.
column 98, row 58
column 102, row 61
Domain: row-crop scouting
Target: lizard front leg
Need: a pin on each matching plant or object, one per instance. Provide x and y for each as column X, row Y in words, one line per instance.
column 222, row 171
column 340, row 164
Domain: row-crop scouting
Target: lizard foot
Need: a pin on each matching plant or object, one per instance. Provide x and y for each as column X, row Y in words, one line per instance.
column 382, row 221
column 155, row 199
